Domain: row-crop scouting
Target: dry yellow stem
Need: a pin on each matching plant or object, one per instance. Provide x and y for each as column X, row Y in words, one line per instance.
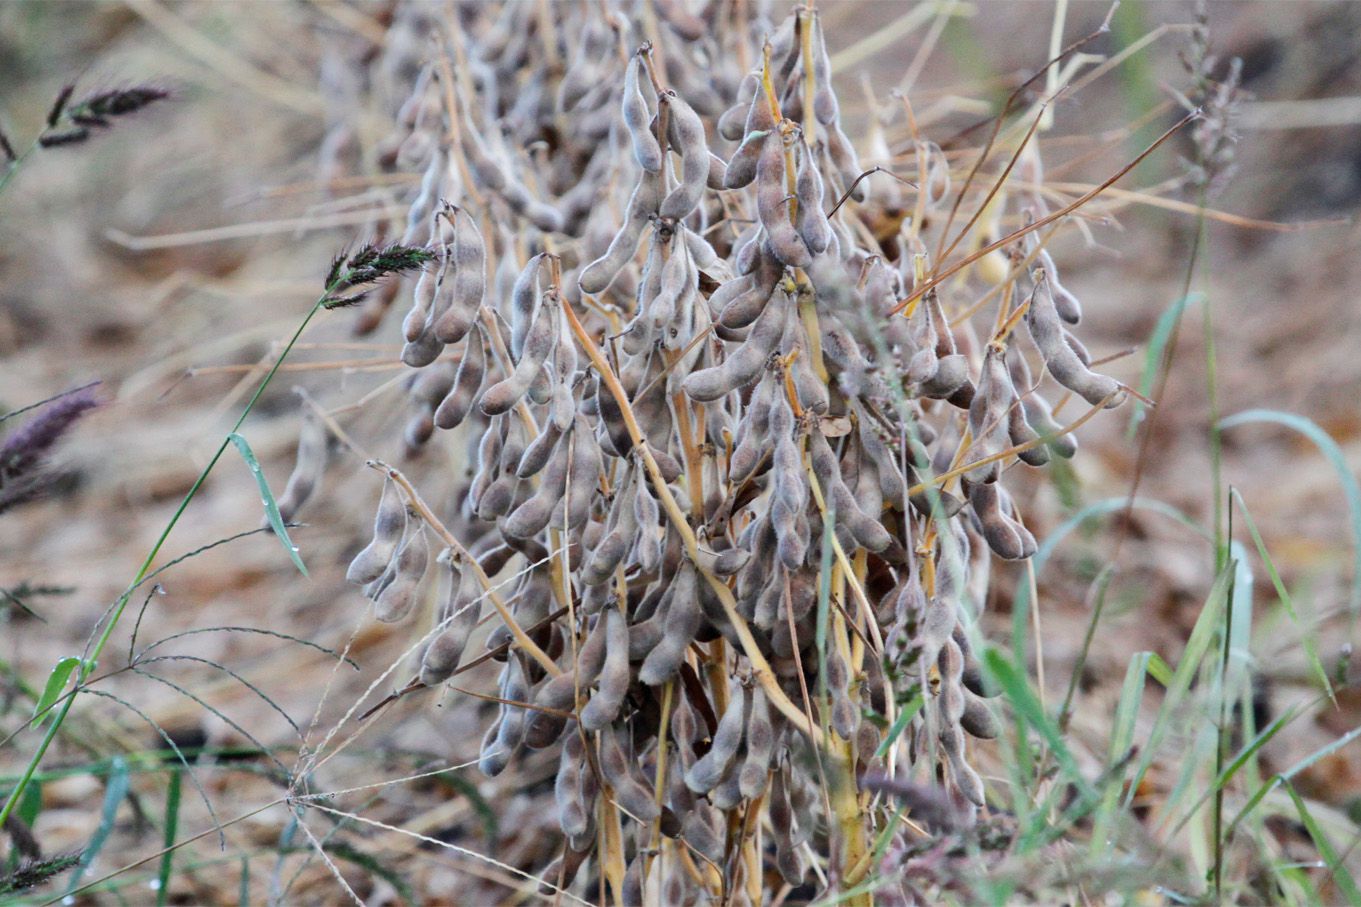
column 761, row 669
column 470, row 563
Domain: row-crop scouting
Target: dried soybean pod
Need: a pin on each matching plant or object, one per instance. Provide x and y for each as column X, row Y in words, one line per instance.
column 988, row 415
column 585, row 471
column 867, row 741
column 825, row 107
column 752, row 444
column 710, row 768
column 741, row 169
column 745, row 307
column 811, row 221
column 419, row 429
column 539, row 344
column 1037, row 413
column 844, row 712
column 952, row 374
column 977, row 718
column 423, row 296
column 1065, row 303
column 724, row 563
column 746, row 362
column 644, row 637
column 755, row 771
column 614, row 675
column 389, row 524
column 698, row 830
column 397, row 600
column 661, row 310
column 686, row 132
column 534, row 515
column 598, row 275
column 812, row 393
column 1020, row 432
column 536, row 455
column 375, row 588
column 648, row 546
column 472, row 371
column 639, row 121
column 702, row 252
column 787, row 857
column 631, row 795
column 309, row 466
column 718, row 169
column 965, row 778
column 607, row 555
column 498, row 499
column 524, row 298
column 560, row 691
column 727, row 794
column 418, row 218
column 543, row 216
column 468, row 286
column 632, row 889
column 772, row 205
column 1046, row 330
column 730, row 290
column 442, row 655
column 843, row 158
column 869, row 533
column 504, row 737
column 422, row 351
column 682, row 623
column 432, row 384
column 1007, row 538
column 732, row 123
column 573, row 810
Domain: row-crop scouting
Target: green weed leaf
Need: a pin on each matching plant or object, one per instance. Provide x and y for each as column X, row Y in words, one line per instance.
column 276, row 520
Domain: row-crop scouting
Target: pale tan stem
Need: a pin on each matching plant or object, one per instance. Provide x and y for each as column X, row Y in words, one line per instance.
column 761, row 669
column 470, row 563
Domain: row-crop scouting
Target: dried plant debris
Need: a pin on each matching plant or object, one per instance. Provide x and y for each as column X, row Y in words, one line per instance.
column 704, row 409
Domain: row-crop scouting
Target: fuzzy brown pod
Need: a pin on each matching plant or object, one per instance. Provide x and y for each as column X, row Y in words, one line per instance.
column 389, row 524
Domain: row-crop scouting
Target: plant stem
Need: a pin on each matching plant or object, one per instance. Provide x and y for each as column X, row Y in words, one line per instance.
column 15, row 164
column 89, row 662
column 761, row 669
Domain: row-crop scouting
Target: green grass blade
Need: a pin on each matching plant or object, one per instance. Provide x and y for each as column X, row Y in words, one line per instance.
column 1122, row 738
column 1101, row 584
column 1284, row 777
column 1092, row 510
column 1345, row 883
column 1017, row 690
column 56, row 682
column 1333, row 454
column 907, row 713
column 1159, row 669
column 1234, row 767
column 32, row 804
column 1202, row 638
column 172, row 825
column 1153, row 355
column 1307, row 638
column 276, row 521
column 115, row 789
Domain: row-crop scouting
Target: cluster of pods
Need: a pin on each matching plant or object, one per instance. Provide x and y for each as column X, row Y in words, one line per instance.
column 734, row 460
